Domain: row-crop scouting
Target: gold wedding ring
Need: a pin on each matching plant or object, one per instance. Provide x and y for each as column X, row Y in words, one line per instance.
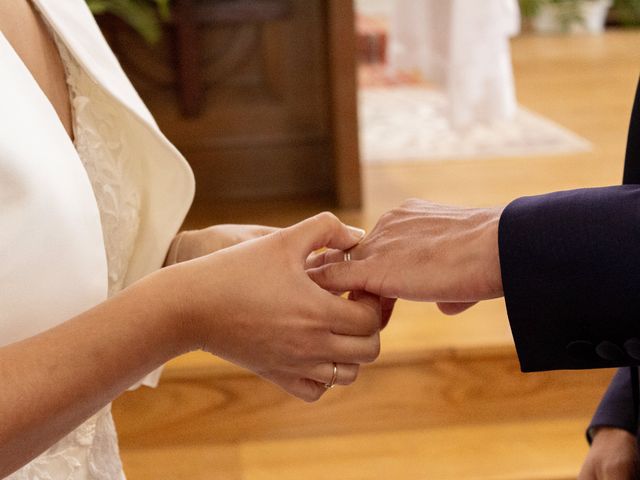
column 334, row 377
column 347, row 256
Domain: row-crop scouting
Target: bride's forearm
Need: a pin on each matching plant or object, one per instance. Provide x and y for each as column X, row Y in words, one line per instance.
column 53, row 381
column 252, row 304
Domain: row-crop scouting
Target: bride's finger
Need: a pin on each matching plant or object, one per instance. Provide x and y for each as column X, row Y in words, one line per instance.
column 323, row 230
column 382, row 305
column 332, row 255
column 316, row 259
column 352, row 349
column 304, row 388
column 343, row 276
column 346, row 373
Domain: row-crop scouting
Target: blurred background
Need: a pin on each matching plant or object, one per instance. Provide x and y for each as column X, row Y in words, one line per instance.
column 285, row 108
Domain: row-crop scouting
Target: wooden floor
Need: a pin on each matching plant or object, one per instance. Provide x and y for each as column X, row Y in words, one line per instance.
column 446, row 399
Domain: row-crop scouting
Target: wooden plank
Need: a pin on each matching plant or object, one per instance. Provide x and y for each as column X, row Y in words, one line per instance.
column 539, row 450
column 549, row 450
column 344, row 107
column 256, row 95
column 187, row 52
column 248, row 171
column 189, row 463
column 427, row 394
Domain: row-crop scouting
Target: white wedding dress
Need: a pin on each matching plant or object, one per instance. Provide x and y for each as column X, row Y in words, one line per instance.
column 91, row 451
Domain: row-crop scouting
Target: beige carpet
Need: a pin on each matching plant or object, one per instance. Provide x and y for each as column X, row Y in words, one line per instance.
column 409, row 124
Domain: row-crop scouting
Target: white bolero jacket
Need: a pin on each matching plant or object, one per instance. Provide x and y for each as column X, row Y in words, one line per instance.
column 52, row 256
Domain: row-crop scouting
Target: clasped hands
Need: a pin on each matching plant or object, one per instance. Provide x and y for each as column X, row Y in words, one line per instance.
column 265, row 301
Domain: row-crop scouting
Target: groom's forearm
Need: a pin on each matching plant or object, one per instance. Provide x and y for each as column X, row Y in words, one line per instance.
column 616, row 407
column 570, row 264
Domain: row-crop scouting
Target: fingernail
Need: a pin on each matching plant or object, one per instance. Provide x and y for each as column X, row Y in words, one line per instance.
column 357, row 232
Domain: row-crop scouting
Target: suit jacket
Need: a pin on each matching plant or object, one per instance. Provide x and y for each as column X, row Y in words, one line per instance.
column 571, row 277
column 52, row 255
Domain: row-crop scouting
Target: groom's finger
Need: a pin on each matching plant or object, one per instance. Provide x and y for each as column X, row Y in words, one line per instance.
column 341, row 276
column 454, row 308
column 386, row 307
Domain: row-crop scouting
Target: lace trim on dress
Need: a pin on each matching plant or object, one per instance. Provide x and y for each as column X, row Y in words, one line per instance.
column 90, row 452
column 100, row 142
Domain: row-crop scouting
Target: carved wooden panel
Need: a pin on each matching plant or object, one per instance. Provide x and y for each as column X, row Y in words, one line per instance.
column 260, row 121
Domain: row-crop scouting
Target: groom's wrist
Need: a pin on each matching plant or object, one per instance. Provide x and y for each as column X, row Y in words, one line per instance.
column 493, row 274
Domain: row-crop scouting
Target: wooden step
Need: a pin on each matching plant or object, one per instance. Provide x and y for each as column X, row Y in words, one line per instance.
column 433, row 371
column 435, row 375
column 526, row 450
column 434, row 393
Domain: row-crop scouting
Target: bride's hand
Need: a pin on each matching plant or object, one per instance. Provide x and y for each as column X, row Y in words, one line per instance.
column 253, row 304
column 190, row 244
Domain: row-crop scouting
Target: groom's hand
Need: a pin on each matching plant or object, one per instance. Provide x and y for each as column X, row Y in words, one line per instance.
column 421, row 251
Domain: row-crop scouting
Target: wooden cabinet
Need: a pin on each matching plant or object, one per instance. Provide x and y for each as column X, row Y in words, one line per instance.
column 259, row 96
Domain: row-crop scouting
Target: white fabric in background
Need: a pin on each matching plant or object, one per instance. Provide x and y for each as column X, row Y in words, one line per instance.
column 462, row 46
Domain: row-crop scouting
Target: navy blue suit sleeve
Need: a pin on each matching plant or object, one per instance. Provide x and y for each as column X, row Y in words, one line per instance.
column 616, row 407
column 570, row 266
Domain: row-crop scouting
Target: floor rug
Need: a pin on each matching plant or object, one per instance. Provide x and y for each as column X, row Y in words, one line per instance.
column 409, row 124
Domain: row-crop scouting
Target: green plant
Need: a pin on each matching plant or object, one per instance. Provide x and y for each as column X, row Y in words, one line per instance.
column 627, row 12
column 568, row 10
column 144, row 16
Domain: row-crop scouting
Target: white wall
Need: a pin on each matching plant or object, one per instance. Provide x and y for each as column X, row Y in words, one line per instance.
column 374, row 7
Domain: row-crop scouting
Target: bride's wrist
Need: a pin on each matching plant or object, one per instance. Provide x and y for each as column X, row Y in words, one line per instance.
column 173, row 255
column 169, row 309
